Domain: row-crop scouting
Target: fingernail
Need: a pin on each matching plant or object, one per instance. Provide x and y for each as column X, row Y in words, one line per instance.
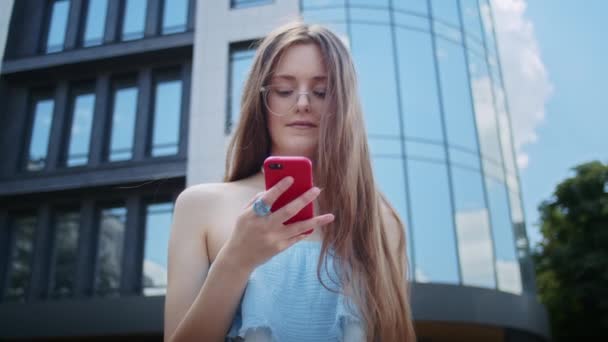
column 316, row 190
column 329, row 218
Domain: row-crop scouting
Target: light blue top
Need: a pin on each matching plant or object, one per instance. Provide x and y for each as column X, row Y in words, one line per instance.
column 284, row 301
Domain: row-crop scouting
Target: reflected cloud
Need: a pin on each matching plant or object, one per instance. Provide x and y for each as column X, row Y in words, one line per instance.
column 526, row 79
column 475, row 247
column 509, row 276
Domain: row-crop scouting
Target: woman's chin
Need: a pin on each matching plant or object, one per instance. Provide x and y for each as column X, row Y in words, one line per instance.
column 298, row 147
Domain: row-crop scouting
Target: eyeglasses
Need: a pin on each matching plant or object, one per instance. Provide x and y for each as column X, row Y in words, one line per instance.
column 280, row 100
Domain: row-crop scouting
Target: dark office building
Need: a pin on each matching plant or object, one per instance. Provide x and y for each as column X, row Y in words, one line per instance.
column 110, row 108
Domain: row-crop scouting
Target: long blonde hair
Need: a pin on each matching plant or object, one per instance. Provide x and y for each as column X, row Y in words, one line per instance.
column 377, row 277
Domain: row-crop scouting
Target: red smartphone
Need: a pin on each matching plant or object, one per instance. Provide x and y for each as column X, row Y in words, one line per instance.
column 300, row 168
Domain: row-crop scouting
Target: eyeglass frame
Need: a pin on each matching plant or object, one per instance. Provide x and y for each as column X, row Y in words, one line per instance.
column 266, row 88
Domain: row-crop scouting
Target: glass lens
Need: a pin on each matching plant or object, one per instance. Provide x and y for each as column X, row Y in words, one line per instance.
column 281, row 100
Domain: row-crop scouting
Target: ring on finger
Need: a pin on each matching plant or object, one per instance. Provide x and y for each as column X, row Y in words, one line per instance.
column 260, row 208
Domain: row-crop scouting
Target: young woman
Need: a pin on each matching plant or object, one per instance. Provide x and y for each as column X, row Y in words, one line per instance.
column 236, row 271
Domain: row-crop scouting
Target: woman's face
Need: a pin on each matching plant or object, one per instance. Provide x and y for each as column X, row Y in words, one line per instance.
column 293, row 120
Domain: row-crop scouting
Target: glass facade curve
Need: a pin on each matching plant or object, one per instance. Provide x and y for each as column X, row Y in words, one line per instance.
column 439, row 131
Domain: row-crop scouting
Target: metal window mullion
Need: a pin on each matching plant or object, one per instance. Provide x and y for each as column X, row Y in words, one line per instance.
column 143, row 134
column 42, row 250
column 15, row 132
column 101, row 115
column 133, row 246
column 153, row 18
column 58, row 137
column 4, row 250
column 186, row 78
column 74, row 20
column 478, row 140
column 87, row 242
column 445, row 139
column 113, row 22
column 404, row 166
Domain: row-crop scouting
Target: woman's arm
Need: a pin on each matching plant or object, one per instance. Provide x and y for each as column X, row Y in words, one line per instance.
column 200, row 302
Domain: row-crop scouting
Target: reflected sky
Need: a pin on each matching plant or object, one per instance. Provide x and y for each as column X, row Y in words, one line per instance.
column 123, row 124
column 82, row 123
column 158, row 225
column 167, row 114
column 96, row 22
column 58, row 25
column 175, row 16
column 134, row 19
column 41, row 131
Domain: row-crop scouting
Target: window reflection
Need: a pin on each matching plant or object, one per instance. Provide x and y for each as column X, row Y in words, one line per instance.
column 41, row 130
column 456, row 96
column 248, row 3
column 123, row 124
column 444, row 103
column 134, row 19
column 413, row 6
column 481, row 87
column 473, row 229
column 419, row 98
column 21, row 258
column 109, row 251
column 376, row 73
column 80, row 136
column 167, row 114
column 507, row 266
column 471, row 18
column 58, row 24
column 240, row 63
column 65, row 250
column 95, row 22
column 446, row 10
column 432, row 224
column 158, row 224
column 389, row 175
column 175, row 16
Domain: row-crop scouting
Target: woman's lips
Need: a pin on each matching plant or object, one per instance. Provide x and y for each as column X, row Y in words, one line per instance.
column 302, row 125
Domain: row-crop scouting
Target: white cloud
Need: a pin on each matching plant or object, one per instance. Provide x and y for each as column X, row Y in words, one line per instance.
column 526, row 79
column 475, row 247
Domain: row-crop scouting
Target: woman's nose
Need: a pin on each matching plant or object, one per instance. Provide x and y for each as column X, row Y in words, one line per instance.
column 303, row 102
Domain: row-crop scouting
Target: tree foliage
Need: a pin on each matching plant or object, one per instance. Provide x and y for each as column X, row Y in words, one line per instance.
column 572, row 258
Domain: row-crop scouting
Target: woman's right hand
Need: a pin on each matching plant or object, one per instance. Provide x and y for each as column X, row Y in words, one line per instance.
column 256, row 239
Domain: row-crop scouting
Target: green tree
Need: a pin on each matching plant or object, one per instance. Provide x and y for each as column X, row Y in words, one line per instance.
column 572, row 259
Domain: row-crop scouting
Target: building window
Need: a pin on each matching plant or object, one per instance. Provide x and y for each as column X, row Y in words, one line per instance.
column 134, row 19
column 95, row 22
column 41, row 131
column 248, row 3
column 123, row 123
column 109, row 251
column 65, row 249
column 58, row 24
column 175, row 16
column 20, row 259
column 241, row 59
column 432, row 223
column 158, row 223
column 167, row 113
column 80, row 137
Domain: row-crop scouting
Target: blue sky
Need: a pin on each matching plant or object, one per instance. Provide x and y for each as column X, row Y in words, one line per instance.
column 573, row 49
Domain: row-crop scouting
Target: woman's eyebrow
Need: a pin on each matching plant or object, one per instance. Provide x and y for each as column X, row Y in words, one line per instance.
column 290, row 77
